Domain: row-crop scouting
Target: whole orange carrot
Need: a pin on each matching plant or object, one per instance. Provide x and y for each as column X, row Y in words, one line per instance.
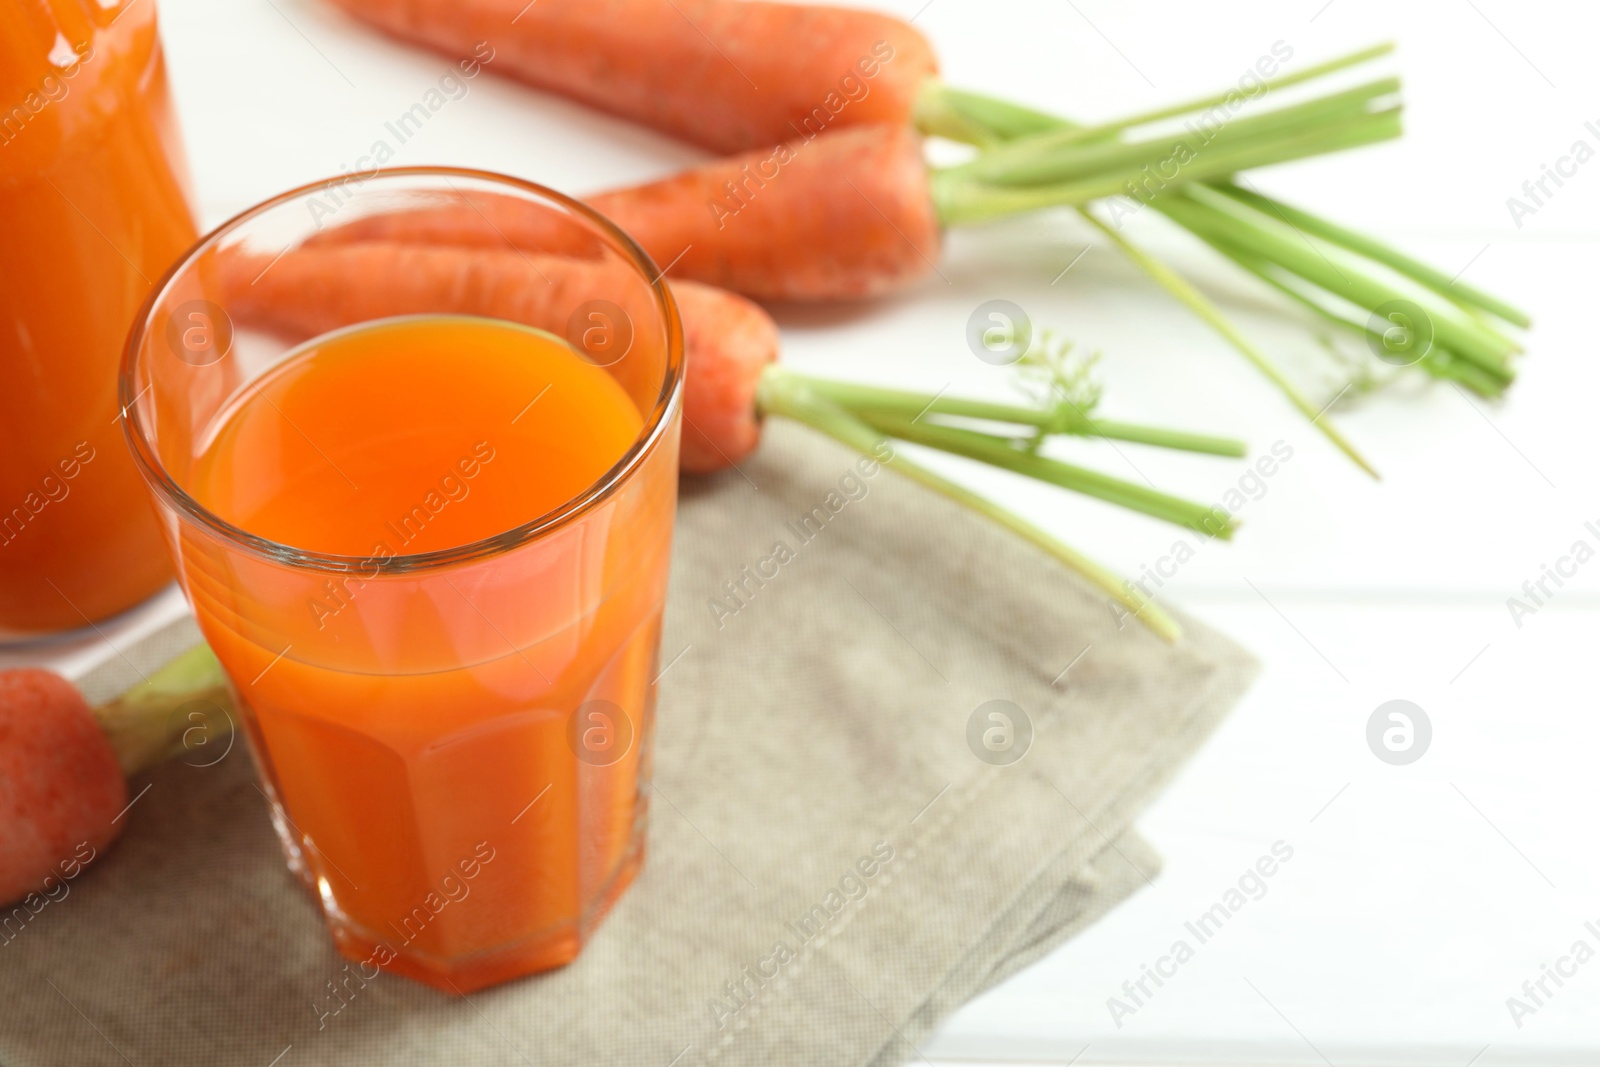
column 847, row 215
column 728, row 340
column 725, row 75
column 61, row 788
column 63, row 766
column 857, row 211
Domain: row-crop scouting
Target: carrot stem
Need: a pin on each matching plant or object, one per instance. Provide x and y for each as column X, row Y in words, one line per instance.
column 784, row 395
column 1487, row 343
column 1003, row 453
column 1059, row 418
column 1440, row 361
column 1159, row 437
column 987, row 122
column 184, row 704
column 1209, row 313
column 1062, row 154
column 976, row 118
column 1276, row 241
column 1362, row 244
column 963, row 201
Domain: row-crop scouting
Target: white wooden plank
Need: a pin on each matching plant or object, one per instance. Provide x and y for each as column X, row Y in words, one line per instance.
column 1419, row 897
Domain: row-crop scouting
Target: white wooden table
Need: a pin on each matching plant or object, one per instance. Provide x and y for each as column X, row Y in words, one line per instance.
column 1420, row 897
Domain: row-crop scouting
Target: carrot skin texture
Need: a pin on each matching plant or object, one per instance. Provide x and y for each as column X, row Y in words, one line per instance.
column 728, row 75
column 847, row 215
column 60, row 783
column 844, row 216
column 728, row 341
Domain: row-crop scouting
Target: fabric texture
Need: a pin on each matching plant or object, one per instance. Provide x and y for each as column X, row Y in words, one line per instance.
column 835, row 642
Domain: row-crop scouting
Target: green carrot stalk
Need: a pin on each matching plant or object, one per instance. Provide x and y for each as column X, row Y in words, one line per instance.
column 1002, row 452
column 1062, row 154
column 784, row 395
column 183, row 704
column 1468, row 349
column 963, row 198
column 1212, row 316
column 1451, row 289
column 1032, row 161
column 974, row 118
column 1262, row 211
column 1439, row 361
column 985, row 120
column 1061, row 418
column 1279, row 245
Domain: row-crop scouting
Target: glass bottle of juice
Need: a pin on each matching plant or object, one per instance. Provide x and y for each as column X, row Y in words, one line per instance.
column 93, row 209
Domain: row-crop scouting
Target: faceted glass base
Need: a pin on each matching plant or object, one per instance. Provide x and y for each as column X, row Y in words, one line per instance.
column 544, row 951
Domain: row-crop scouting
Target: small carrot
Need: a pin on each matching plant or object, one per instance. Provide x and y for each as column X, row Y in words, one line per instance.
column 727, row 339
column 728, row 76
column 732, row 381
column 848, row 215
column 64, row 765
column 61, row 787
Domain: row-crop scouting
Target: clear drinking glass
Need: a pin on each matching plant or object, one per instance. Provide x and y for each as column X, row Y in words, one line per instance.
column 454, row 743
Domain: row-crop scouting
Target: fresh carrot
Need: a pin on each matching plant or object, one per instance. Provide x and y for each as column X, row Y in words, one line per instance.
column 64, row 766
column 723, row 75
column 61, row 786
column 858, row 212
column 732, row 381
column 848, row 215
column 728, row 344
column 309, row 291
column 726, row 74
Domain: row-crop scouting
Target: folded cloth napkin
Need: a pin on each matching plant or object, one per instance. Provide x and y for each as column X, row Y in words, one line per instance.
column 878, row 791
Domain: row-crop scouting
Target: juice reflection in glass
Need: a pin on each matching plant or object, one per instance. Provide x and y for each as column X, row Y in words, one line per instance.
column 93, row 209
column 431, row 552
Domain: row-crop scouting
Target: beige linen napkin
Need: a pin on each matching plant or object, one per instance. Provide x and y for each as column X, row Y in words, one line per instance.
column 836, row 859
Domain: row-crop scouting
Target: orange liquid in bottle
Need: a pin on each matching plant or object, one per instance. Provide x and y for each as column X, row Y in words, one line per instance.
column 419, row 733
column 92, row 211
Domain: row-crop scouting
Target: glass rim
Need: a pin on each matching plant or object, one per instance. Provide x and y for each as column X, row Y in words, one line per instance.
column 655, row 425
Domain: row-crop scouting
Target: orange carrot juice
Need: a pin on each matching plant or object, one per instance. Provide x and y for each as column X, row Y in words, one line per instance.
column 92, row 211
column 456, row 752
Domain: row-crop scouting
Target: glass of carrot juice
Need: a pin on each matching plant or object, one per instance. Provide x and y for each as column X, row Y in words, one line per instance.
column 413, row 440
